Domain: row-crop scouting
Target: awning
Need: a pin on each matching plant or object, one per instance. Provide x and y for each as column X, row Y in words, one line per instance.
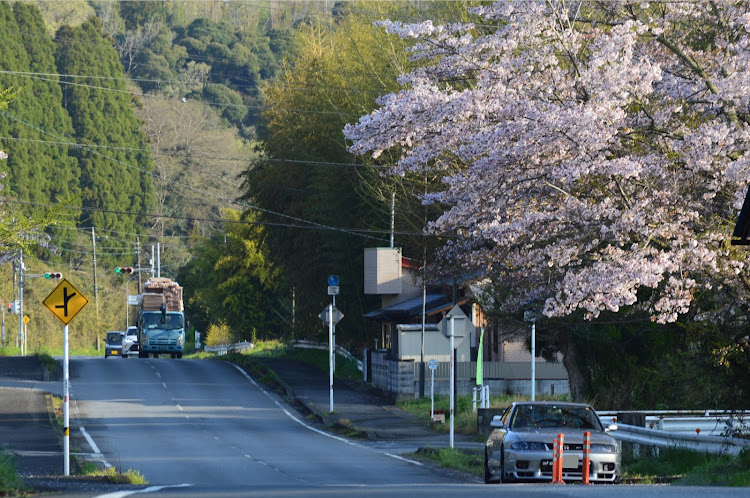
column 412, row 308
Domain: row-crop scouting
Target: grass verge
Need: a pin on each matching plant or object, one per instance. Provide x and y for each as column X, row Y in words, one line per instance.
column 467, row 461
column 10, row 483
column 685, row 467
column 111, row 474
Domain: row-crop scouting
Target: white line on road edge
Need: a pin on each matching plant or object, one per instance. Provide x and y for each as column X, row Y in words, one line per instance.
column 309, row 427
column 95, row 448
column 151, row 489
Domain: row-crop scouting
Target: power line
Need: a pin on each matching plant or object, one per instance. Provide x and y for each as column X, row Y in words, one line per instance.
column 79, row 145
column 158, row 177
column 364, row 232
column 258, row 108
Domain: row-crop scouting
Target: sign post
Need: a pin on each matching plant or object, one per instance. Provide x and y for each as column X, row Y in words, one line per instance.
column 452, row 330
column 432, row 364
column 331, row 316
column 65, row 302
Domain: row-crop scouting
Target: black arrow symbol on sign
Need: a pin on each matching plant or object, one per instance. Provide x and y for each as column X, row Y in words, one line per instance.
column 66, row 298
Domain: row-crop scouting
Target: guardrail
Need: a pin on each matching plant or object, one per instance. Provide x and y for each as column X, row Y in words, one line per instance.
column 665, row 439
column 713, row 431
column 223, row 349
column 689, row 422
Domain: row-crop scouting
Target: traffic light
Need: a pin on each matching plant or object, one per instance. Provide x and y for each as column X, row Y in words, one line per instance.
column 123, row 269
column 52, row 274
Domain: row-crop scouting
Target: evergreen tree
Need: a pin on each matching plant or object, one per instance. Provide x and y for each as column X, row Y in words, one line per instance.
column 116, row 164
column 41, row 170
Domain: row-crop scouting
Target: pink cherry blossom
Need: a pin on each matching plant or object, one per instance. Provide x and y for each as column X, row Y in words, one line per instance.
column 602, row 150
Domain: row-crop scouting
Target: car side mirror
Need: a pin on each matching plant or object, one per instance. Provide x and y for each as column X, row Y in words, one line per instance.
column 611, row 427
column 497, row 422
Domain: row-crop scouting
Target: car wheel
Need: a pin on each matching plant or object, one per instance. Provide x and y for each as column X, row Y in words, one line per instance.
column 487, row 473
column 501, row 478
column 125, row 355
column 179, row 355
column 142, row 354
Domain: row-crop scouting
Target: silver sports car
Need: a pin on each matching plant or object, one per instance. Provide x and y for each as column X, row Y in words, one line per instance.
column 520, row 446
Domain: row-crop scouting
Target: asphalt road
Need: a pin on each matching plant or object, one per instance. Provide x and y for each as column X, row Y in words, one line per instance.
column 205, row 424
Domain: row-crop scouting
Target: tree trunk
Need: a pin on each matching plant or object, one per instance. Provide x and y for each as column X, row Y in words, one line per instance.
column 576, row 380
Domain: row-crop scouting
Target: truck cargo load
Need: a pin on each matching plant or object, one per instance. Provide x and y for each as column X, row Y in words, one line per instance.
column 158, row 291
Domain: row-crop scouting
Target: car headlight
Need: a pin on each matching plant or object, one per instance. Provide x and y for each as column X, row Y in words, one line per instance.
column 529, row 446
column 179, row 340
column 603, row 448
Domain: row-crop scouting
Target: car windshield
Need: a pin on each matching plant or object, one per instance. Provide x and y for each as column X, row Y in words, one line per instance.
column 114, row 338
column 154, row 321
column 540, row 416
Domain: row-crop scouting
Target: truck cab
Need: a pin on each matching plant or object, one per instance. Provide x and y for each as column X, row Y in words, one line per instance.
column 161, row 333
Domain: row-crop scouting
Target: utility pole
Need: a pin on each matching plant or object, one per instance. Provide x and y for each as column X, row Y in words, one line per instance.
column 138, row 261
column 20, row 301
column 96, row 289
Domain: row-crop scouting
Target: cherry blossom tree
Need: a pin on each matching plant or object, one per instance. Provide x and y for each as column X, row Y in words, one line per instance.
column 594, row 155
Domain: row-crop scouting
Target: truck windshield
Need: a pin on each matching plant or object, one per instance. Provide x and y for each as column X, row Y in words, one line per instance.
column 153, row 321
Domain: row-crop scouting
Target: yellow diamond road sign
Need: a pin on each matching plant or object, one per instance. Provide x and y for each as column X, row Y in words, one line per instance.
column 65, row 301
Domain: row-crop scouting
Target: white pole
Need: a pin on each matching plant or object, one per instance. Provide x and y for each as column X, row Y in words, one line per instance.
column 330, row 357
column 533, row 361
column 20, row 302
column 432, row 394
column 66, row 412
column 453, row 380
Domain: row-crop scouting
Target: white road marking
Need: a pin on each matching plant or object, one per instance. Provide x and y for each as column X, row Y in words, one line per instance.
column 97, row 453
column 151, row 489
column 311, row 428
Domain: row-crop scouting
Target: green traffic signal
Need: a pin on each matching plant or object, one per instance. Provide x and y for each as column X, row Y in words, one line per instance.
column 51, row 274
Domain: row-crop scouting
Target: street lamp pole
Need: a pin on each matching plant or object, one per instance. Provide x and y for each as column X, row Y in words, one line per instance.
column 528, row 316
